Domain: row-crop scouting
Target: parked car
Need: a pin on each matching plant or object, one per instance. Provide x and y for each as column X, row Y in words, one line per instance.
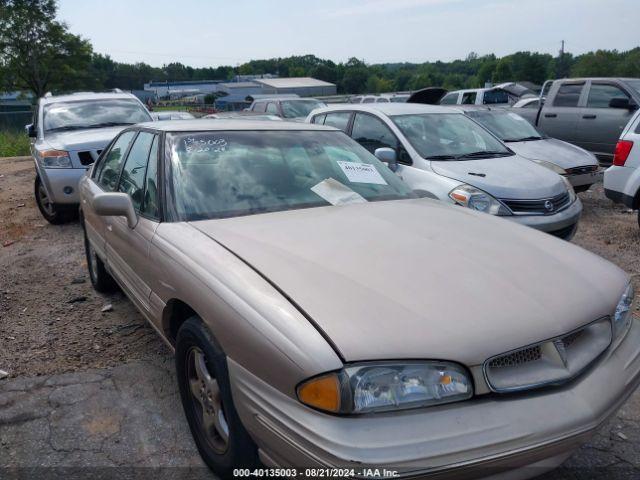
column 322, row 315
column 588, row 112
column 172, row 115
column 67, row 135
column 622, row 178
column 382, row 98
column 529, row 102
column 242, row 115
column 289, row 108
column 574, row 163
column 505, row 94
column 440, row 151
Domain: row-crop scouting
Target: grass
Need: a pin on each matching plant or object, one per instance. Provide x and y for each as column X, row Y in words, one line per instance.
column 13, row 143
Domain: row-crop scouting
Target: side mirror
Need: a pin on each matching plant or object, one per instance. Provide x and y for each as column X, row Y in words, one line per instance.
column 623, row 103
column 115, row 205
column 387, row 156
column 163, row 116
column 31, row 131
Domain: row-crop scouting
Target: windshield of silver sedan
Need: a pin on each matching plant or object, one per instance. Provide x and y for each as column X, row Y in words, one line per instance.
column 449, row 136
column 77, row 115
column 220, row 174
column 507, row 126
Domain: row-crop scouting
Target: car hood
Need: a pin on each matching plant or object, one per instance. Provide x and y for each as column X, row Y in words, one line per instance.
column 504, row 177
column 419, row 279
column 560, row 153
column 89, row 139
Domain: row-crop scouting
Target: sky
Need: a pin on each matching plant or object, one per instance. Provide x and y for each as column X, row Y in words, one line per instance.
column 216, row 32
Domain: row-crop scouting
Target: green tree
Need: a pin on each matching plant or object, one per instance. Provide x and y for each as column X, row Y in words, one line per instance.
column 38, row 52
column 503, row 71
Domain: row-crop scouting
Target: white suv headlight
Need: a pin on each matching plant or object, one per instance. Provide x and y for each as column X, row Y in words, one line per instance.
column 476, row 199
column 55, row 159
column 622, row 315
column 384, row 386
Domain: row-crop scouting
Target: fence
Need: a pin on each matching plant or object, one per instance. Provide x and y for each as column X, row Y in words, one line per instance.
column 15, row 120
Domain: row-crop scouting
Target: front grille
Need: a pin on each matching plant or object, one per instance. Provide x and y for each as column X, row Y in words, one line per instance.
column 552, row 361
column 545, row 206
column 582, row 170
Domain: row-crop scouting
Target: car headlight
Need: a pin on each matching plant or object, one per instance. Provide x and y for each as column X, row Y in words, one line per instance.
column 476, row 199
column 622, row 314
column 551, row 166
column 572, row 192
column 55, row 159
column 375, row 387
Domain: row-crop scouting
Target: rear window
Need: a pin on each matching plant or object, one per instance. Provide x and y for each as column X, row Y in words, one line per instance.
column 492, row 97
column 568, row 95
column 449, row 99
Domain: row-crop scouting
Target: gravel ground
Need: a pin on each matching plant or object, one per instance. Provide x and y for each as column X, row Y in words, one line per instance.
column 52, row 323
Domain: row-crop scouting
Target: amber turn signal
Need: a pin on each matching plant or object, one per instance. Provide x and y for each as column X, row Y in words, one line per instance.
column 322, row 393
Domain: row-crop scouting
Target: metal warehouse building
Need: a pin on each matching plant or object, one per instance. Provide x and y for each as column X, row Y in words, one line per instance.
column 303, row 86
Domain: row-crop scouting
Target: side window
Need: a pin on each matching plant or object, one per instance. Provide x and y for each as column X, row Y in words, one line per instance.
column 151, row 198
column 492, row 97
column 368, row 100
column 600, row 94
column 109, row 171
column 272, row 108
column 382, row 100
column 318, row 119
column 259, row 107
column 135, row 167
column 469, row 98
column 449, row 99
column 568, row 95
column 371, row 133
column 338, row 120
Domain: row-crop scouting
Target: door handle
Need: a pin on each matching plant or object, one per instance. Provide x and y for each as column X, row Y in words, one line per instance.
column 110, row 227
column 589, row 116
column 550, row 115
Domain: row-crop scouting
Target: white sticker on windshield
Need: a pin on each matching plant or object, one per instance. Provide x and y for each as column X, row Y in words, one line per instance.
column 361, row 173
column 336, row 193
column 200, row 145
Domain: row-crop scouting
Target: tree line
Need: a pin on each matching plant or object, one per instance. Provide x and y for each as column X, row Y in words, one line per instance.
column 39, row 54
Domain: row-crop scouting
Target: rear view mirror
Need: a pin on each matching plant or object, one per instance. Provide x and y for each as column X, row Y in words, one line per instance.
column 31, row 131
column 623, row 103
column 387, row 156
column 115, row 205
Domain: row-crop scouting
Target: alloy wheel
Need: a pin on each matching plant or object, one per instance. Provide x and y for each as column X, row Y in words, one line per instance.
column 207, row 401
column 45, row 202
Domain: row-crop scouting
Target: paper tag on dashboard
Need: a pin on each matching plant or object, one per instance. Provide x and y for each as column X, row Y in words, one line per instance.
column 361, row 173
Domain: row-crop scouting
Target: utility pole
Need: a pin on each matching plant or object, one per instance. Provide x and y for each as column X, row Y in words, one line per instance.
column 561, row 48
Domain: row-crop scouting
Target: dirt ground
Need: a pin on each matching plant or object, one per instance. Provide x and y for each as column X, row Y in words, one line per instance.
column 51, row 320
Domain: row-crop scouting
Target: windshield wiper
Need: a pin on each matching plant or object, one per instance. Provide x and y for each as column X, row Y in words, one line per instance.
column 108, row 124
column 523, row 139
column 66, row 127
column 441, row 157
column 485, row 153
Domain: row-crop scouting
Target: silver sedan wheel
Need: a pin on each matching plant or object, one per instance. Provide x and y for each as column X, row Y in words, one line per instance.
column 93, row 262
column 45, row 202
column 207, row 401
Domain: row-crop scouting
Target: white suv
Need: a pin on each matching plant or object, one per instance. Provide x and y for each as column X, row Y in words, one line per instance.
column 622, row 179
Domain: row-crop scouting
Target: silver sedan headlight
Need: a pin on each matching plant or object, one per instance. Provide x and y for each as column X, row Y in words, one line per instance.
column 476, row 199
column 551, row 166
column 572, row 192
column 385, row 386
column 622, row 315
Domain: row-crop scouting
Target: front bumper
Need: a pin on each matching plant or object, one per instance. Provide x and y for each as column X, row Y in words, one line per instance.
column 522, row 433
column 62, row 183
column 562, row 223
column 586, row 179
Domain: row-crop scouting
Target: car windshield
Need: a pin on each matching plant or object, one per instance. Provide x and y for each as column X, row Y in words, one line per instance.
column 93, row 114
column 507, row 126
column 299, row 108
column 219, row 174
column 448, row 136
column 635, row 84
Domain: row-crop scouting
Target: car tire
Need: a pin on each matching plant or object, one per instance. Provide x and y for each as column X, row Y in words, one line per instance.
column 101, row 280
column 205, row 390
column 53, row 213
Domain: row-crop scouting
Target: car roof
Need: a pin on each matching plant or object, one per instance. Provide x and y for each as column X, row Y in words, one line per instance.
column 215, row 124
column 283, row 99
column 79, row 96
column 389, row 108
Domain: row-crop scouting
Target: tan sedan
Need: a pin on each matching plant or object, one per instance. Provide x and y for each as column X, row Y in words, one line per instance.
column 323, row 315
